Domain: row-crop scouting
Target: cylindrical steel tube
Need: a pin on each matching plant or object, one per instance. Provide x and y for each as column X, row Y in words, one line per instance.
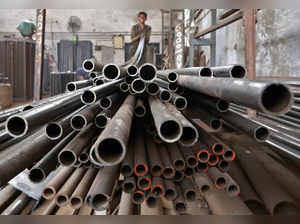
column 46, row 207
column 113, row 71
column 188, row 189
column 268, row 97
column 138, row 197
column 84, row 117
column 56, row 182
column 129, row 184
column 64, row 193
column 92, row 95
column 164, row 95
column 140, row 157
column 126, row 206
column 203, row 182
column 190, row 134
column 179, row 203
column 48, row 163
column 138, row 86
column 168, row 127
column 168, row 76
column 23, row 123
column 155, row 163
column 110, row 147
column 7, row 195
column 176, row 157
column 158, row 188
column 132, row 70
column 230, row 71
column 69, row 155
column 152, row 89
column 140, row 109
column 147, row 72
column 127, row 166
column 219, row 179
column 90, row 65
column 189, row 157
column 16, row 207
column 73, row 86
column 144, row 182
column 168, row 170
column 101, row 194
column 78, row 196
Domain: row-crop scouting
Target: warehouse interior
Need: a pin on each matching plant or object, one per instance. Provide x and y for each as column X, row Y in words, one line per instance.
column 149, row 112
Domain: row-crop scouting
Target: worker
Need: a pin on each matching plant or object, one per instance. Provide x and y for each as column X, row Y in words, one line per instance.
column 139, row 31
column 27, row 28
column 81, row 74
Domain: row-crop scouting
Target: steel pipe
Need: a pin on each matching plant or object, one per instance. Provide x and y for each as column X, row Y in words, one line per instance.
column 155, row 163
column 140, row 109
column 113, row 72
column 73, row 86
column 79, row 194
column 193, row 71
column 170, row 190
column 188, row 189
column 171, row 86
column 132, row 70
column 69, row 155
column 179, row 203
column 138, row 86
column 144, row 183
column 129, row 184
column 101, row 194
column 19, row 125
column 190, row 134
column 152, row 89
column 176, row 157
column 17, row 206
column 124, row 87
column 81, row 119
column 140, row 158
column 63, row 195
column 48, row 163
column 54, row 185
column 168, row 76
column 138, row 197
column 110, row 147
column 268, row 97
column 165, row 95
column 147, row 72
column 127, row 166
column 157, row 188
column 168, row 171
column 91, row 65
column 230, row 71
column 168, row 127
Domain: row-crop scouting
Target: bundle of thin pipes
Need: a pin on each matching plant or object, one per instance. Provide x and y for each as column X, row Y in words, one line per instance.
column 153, row 134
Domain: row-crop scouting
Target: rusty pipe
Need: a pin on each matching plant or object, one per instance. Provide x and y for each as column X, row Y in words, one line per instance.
column 144, row 183
column 157, row 187
column 155, row 163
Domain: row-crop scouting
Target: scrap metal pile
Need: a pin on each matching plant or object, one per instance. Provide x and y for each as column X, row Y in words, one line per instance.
column 140, row 141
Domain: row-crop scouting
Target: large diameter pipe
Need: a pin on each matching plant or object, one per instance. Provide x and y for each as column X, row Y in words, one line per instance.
column 65, row 192
column 81, row 119
column 19, row 125
column 48, row 163
column 55, row 130
column 155, row 163
column 101, row 194
column 91, row 65
column 56, row 182
column 73, row 86
column 167, row 125
column 113, row 72
column 94, row 94
column 268, row 97
column 230, row 71
column 110, row 147
column 23, row 155
column 147, row 72
column 68, row 156
column 190, row 134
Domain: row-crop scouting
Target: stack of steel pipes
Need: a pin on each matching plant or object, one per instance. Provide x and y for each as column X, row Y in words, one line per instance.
column 139, row 141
